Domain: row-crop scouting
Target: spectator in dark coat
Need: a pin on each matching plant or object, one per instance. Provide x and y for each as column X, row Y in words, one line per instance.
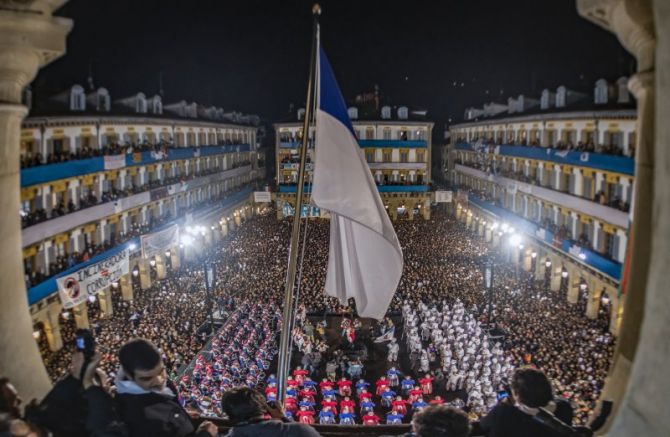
column 531, row 391
column 145, row 399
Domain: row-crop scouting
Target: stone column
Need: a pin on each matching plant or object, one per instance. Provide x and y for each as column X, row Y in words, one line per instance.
column 556, row 272
column 593, row 300
column 30, row 37
column 573, row 285
column 528, row 259
column 52, row 328
column 145, row 274
column 81, row 316
column 106, row 305
column 126, row 285
column 174, row 258
column 540, row 268
column 161, row 268
column 637, row 383
column 425, row 210
column 616, row 315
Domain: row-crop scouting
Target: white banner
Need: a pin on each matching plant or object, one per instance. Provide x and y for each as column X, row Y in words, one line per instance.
column 443, row 196
column 262, row 196
column 115, row 161
column 160, row 241
column 76, row 287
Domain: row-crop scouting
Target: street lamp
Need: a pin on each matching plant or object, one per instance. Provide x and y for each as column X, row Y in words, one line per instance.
column 488, row 285
column 210, row 280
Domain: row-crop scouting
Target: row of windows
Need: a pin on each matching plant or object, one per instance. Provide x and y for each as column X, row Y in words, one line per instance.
column 606, row 188
column 369, row 133
column 60, row 252
column 581, row 229
column 71, row 195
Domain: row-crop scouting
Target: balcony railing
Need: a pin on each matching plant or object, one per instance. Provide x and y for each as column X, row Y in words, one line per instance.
column 49, row 286
column 406, row 144
column 592, row 258
column 600, row 161
column 63, row 170
column 57, row 225
column 385, row 188
column 578, row 204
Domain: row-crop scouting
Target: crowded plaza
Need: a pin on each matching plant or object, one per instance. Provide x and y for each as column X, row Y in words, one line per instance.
column 438, row 351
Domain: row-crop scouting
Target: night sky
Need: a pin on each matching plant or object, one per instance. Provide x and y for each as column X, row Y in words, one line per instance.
column 252, row 56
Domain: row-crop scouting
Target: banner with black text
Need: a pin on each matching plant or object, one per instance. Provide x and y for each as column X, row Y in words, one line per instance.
column 76, row 287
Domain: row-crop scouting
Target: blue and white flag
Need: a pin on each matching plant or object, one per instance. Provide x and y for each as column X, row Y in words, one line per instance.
column 387, row 336
column 365, row 259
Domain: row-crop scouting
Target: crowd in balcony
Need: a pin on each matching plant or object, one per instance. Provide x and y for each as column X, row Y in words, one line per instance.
column 39, row 215
column 560, row 231
column 567, row 145
column 490, row 167
column 34, row 275
column 31, row 159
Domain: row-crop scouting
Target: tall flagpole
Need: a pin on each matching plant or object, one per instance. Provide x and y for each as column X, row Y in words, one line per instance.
column 287, row 320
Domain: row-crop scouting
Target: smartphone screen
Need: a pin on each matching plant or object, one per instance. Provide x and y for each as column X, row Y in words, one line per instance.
column 81, row 343
column 502, row 395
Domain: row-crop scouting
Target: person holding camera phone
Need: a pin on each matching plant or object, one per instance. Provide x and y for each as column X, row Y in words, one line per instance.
column 513, row 416
column 146, row 399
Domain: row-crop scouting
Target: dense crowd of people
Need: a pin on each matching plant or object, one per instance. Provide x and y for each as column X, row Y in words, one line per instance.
column 440, row 288
column 239, row 355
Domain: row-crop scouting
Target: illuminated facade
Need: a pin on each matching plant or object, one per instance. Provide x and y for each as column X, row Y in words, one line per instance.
column 558, row 170
column 97, row 174
column 397, row 147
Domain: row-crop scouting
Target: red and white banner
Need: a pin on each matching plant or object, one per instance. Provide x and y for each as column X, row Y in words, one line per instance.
column 76, row 287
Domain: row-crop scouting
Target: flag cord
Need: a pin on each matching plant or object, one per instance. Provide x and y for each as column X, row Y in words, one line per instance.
column 288, row 315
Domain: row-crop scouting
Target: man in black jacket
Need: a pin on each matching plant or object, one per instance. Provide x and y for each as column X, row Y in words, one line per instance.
column 514, row 416
column 146, row 400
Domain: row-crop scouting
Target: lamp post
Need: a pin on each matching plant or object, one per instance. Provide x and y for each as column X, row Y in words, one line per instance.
column 488, row 285
column 547, row 273
column 210, row 280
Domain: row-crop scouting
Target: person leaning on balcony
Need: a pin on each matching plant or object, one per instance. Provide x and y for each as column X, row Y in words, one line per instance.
column 513, row 416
